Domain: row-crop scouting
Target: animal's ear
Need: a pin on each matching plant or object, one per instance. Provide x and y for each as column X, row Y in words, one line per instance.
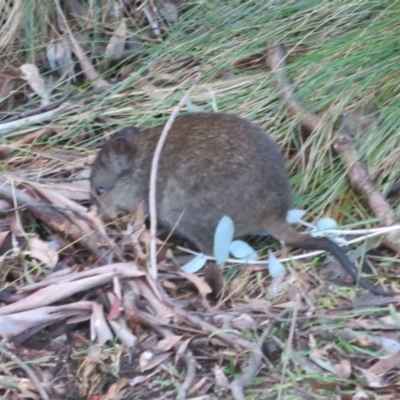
column 128, row 132
column 118, row 154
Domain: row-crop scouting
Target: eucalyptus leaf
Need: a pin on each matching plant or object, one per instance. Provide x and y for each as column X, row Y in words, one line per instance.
column 326, row 223
column 240, row 249
column 222, row 239
column 192, row 108
column 275, row 267
column 195, row 264
column 388, row 344
column 294, row 216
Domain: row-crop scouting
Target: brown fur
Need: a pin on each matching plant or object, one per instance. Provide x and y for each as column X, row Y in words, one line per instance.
column 211, row 165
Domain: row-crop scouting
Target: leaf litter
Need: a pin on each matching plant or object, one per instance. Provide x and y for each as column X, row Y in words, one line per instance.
column 77, row 296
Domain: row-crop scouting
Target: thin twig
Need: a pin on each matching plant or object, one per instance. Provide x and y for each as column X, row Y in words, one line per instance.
column 70, row 97
column 153, row 180
column 28, row 370
column 6, row 127
column 190, row 375
column 289, row 342
column 86, row 65
column 28, row 139
column 254, row 365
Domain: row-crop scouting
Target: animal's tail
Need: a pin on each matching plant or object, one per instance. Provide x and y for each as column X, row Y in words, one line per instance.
column 294, row 238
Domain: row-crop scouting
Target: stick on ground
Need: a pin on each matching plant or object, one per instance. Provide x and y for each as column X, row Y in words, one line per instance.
column 357, row 171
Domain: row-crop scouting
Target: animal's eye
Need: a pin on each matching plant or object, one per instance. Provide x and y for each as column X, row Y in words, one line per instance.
column 100, row 191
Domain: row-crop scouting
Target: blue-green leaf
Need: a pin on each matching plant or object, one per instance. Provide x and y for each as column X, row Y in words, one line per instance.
column 275, row 267
column 192, row 108
column 326, row 223
column 222, row 239
column 294, row 216
column 240, row 249
column 195, row 264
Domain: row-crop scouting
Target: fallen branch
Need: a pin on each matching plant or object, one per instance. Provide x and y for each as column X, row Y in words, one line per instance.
column 356, row 170
column 276, row 60
column 362, row 183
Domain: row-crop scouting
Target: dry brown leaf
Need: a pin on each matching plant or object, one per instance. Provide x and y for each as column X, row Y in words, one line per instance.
column 96, row 355
column 221, row 380
column 114, row 390
column 162, row 312
column 27, row 389
column 28, row 139
column 57, row 292
column 43, row 251
column 372, row 324
column 373, row 381
column 56, row 198
column 139, row 379
column 77, row 190
column 320, row 357
column 202, row 286
column 115, row 47
column 53, row 293
column 139, row 219
column 244, row 322
column 15, row 323
column 145, row 239
column 182, row 348
column 31, row 74
column 385, row 364
column 148, row 360
column 115, row 304
column 168, row 342
column 343, row 369
column 127, row 270
column 254, row 304
column 391, row 320
column 289, row 304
